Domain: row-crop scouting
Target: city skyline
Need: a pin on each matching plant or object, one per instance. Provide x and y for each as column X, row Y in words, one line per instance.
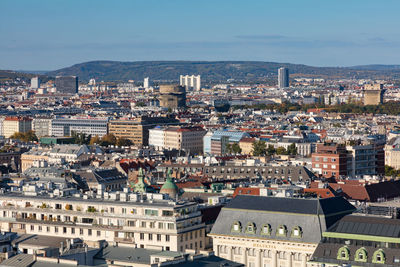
column 49, row 35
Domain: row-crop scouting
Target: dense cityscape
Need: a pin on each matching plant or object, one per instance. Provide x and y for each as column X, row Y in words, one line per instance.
column 199, row 133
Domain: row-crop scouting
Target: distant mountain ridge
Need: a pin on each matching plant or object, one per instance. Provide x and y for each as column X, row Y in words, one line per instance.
column 216, row 70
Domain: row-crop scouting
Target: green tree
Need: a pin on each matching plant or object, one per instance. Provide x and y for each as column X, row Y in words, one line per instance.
column 271, row 150
column 236, row 148
column 123, row 142
column 259, row 148
column 292, row 149
column 81, row 138
column 281, row 151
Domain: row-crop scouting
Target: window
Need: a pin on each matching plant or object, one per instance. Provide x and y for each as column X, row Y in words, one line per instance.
column 236, row 227
column 281, row 231
column 98, row 233
column 379, row 257
column 158, row 237
column 152, row 224
column 56, row 229
column 333, row 166
column 296, row 232
column 64, row 230
column 343, row 253
column 160, row 225
column 89, row 231
column 141, row 236
column 167, row 238
column 149, row 212
column 361, row 255
column 81, row 231
column 266, row 229
column 250, row 228
column 316, row 165
column 131, row 223
column 73, row 230
column 143, row 224
column 150, row 236
column 112, row 210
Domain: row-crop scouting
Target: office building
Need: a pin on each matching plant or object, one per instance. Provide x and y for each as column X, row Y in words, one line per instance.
column 283, row 77
column 41, row 126
column 146, row 82
column 64, row 126
column 172, row 96
column 12, row 125
column 137, row 130
column 35, row 83
column 215, row 143
column 373, row 94
column 67, row 84
column 272, row 231
column 190, row 82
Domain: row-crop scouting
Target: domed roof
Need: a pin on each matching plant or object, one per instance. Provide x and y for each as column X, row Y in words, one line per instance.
column 169, row 187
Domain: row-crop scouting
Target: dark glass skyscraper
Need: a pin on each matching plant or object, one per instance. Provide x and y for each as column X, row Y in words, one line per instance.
column 67, row 84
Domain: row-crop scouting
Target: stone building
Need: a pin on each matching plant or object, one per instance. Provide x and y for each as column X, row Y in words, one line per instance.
column 172, row 96
column 271, row 231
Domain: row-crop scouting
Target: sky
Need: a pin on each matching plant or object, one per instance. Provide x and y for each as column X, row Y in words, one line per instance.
column 52, row 34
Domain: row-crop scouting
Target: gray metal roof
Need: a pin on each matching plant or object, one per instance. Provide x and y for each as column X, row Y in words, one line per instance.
column 312, row 216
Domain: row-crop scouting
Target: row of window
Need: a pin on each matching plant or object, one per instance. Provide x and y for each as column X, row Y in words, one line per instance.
column 266, row 229
column 361, row 255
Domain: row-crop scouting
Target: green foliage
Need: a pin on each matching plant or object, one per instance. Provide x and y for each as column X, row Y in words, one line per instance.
column 292, row 150
column 259, row 148
column 123, row 142
column 91, row 209
column 271, row 150
column 390, row 171
column 29, row 136
column 233, row 148
column 81, row 138
column 281, row 151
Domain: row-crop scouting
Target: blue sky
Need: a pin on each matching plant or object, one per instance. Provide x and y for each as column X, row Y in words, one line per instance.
column 51, row 34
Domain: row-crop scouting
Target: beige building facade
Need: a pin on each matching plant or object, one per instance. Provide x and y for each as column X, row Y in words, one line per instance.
column 13, row 125
column 189, row 139
column 127, row 218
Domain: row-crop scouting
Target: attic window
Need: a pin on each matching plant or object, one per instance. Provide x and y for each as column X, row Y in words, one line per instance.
column 297, row 232
column 236, row 227
column 281, row 231
column 379, row 257
column 251, row 228
column 343, row 253
column 266, row 229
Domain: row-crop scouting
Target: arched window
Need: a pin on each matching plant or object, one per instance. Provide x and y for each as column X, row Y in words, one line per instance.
column 297, row 232
column 250, row 228
column 266, row 229
column 379, row 257
column 343, row 253
column 236, row 227
column 361, row 255
column 281, row 231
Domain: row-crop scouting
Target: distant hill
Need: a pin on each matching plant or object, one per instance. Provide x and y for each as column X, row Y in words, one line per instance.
column 11, row 75
column 216, row 70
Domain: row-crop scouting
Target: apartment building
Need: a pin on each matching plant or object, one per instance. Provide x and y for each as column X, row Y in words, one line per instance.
column 147, row 221
column 13, row 125
column 330, row 160
column 41, row 126
column 188, row 139
column 137, row 130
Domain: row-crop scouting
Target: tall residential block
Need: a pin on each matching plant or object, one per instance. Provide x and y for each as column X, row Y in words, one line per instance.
column 35, row 83
column 191, row 82
column 146, row 82
column 283, row 77
column 67, row 84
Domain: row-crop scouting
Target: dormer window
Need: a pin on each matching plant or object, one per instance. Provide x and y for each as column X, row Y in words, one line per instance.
column 266, row 229
column 361, row 255
column 297, row 232
column 251, row 228
column 379, row 257
column 236, row 227
column 281, row 231
column 343, row 253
